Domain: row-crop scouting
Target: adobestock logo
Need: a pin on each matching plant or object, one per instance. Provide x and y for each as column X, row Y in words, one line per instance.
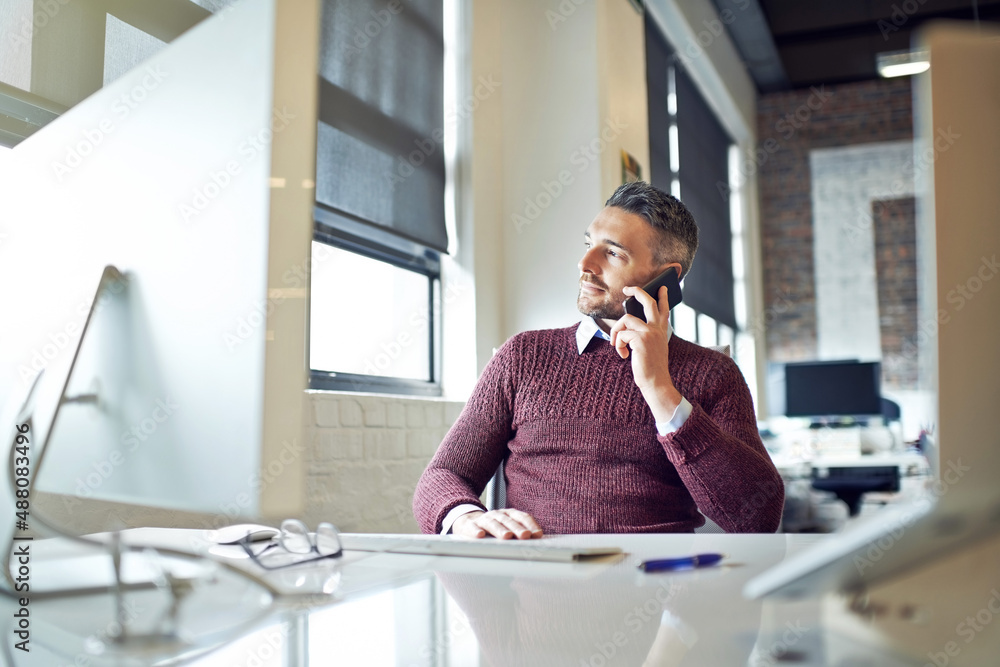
column 362, row 37
column 122, row 108
column 584, row 156
column 787, row 126
column 291, row 451
column 45, row 11
column 565, row 9
column 951, row 474
column 968, row 629
column 220, row 179
column 425, row 147
column 131, row 439
column 40, row 357
column 294, row 278
column 900, row 14
column 418, row 322
column 714, row 28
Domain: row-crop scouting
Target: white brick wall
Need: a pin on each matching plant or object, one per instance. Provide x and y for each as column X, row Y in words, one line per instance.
column 845, row 181
column 365, row 454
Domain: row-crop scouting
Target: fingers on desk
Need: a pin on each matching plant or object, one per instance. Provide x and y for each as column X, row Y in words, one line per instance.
column 509, row 523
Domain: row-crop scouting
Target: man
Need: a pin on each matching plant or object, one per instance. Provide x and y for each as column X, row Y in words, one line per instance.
column 614, row 424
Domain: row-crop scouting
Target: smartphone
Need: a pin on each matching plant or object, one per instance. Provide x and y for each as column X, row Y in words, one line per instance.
column 674, row 296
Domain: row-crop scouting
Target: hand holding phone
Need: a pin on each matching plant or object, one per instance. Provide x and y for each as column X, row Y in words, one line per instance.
column 670, row 280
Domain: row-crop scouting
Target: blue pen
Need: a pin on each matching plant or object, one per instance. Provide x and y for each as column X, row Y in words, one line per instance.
column 685, row 563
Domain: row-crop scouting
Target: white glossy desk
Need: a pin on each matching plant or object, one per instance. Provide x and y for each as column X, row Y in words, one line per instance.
column 429, row 611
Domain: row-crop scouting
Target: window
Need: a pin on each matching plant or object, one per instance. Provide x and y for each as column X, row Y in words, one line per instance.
column 684, row 320
column 693, row 158
column 380, row 183
column 375, row 312
column 703, row 149
column 708, row 331
column 689, row 157
column 406, row 353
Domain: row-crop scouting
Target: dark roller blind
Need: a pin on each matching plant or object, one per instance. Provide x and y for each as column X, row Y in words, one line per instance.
column 380, row 151
column 704, row 164
column 704, row 158
column 658, row 58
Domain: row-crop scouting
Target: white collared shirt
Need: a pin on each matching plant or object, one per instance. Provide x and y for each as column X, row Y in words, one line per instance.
column 586, row 332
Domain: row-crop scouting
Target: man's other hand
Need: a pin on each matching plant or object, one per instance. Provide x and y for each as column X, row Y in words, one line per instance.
column 503, row 524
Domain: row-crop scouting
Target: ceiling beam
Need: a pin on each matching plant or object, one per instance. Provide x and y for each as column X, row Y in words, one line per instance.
column 748, row 27
column 793, row 17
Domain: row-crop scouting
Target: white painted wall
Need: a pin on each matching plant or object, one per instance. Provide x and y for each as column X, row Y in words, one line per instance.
column 573, row 95
column 845, row 182
column 621, row 61
column 550, row 110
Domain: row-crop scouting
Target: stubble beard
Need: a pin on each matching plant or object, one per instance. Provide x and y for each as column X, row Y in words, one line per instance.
column 608, row 308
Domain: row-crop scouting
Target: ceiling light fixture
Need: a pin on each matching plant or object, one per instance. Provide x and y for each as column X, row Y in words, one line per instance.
column 902, row 63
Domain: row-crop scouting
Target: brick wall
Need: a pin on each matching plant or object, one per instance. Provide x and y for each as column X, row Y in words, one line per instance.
column 365, row 455
column 789, row 126
column 895, row 230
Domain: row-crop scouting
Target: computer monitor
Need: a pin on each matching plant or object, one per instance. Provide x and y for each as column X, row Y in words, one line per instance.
column 956, row 149
column 194, row 175
column 833, row 389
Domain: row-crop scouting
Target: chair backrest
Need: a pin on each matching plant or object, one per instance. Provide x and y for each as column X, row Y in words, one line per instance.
column 724, row 349
column 495, row 495
column 890, row 410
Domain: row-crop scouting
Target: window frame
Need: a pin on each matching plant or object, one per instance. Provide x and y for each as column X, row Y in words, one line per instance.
column 345, row 232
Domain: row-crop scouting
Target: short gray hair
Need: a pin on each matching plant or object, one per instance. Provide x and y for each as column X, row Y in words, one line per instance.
column 671, row 219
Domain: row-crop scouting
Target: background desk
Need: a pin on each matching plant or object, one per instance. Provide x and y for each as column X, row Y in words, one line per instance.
column 419, row 610
column 902, row 476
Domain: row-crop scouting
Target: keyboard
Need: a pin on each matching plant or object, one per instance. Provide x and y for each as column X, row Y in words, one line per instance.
column 542, row 549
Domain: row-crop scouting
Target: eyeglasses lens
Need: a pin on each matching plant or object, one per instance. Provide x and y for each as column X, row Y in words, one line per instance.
column 327, row 539
column 295, row 537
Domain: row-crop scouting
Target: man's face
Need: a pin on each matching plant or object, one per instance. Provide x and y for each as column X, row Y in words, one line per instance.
column 619, row 252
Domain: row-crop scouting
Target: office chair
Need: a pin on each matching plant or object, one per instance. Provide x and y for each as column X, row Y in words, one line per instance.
column 495, row 494
column 890, row 411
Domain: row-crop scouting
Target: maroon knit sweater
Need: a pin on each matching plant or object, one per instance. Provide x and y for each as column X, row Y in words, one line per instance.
column 583, row 453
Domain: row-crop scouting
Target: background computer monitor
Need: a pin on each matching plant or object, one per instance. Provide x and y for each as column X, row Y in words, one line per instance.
column 833, row 389
column 194, row 174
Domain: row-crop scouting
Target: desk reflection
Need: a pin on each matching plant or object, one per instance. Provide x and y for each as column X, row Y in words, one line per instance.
column 604, row 621
column 424, row 611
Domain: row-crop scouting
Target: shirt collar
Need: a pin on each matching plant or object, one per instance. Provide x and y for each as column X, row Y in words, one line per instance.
column 588, row 329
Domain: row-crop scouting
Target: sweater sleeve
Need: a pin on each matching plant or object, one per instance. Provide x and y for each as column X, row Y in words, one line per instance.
column 473, row 448
column 722, row 461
